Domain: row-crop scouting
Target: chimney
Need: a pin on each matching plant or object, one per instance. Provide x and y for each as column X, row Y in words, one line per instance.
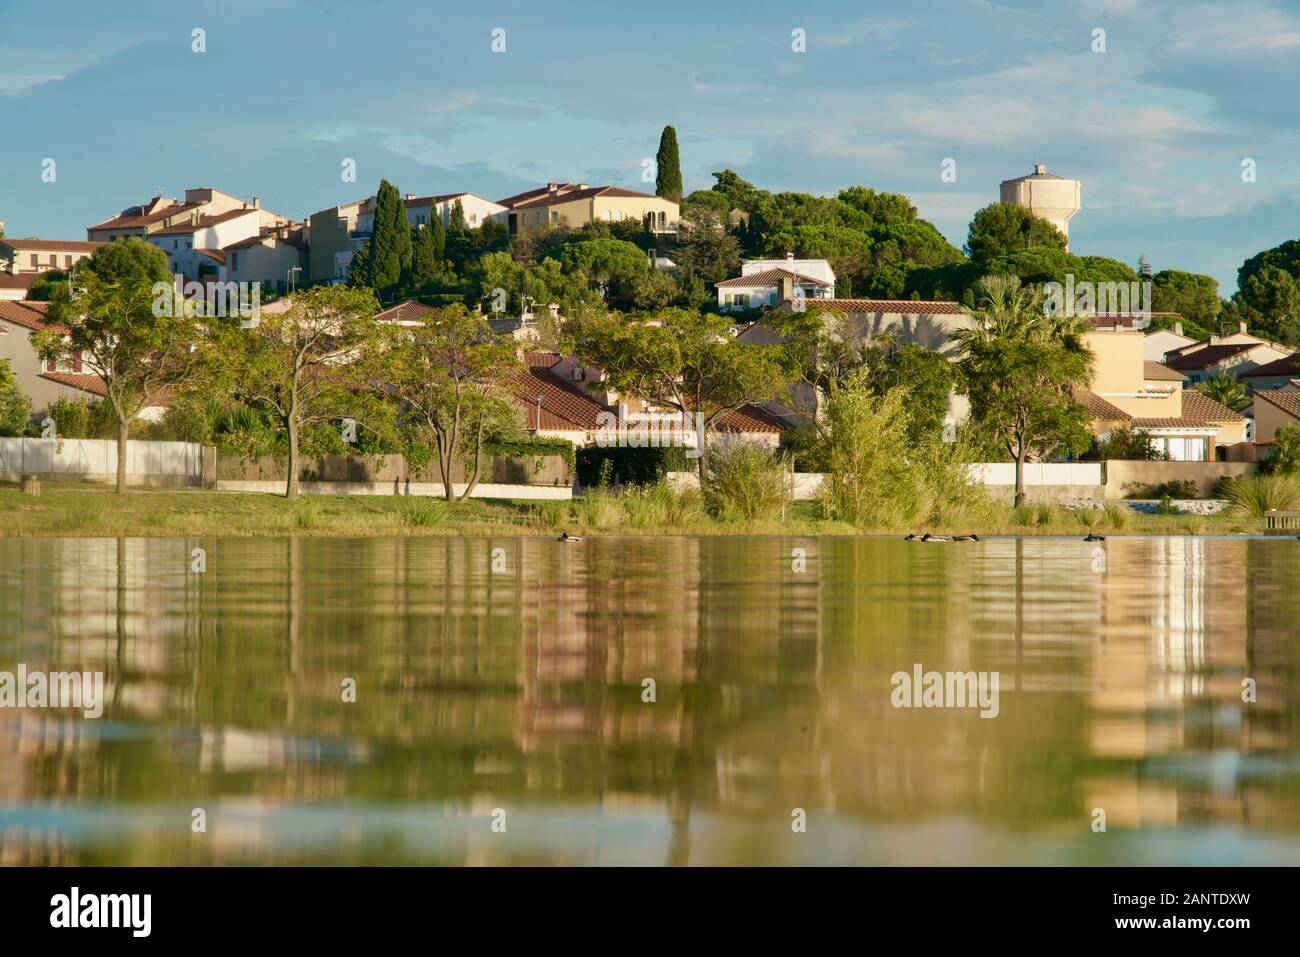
column 257, row 202
column 552, row 187
column 787, row 289
column 1241, row 326
column 789, row 257
column 1040, row 169
column 1178, row 327
column 582, row 186
column 554, row 308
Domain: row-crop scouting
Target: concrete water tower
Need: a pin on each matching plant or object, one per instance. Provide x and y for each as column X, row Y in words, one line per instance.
column 1046, row 196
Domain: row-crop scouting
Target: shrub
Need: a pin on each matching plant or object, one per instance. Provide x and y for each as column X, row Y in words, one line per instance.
column 1286, row 450
column 1174, row 488
column 745, row 481
column 1124, row 443
column 15, row 406
column 1257, row 495
column 630, row 466
column 871, row 479
column 424, row 513
column 1118, row 516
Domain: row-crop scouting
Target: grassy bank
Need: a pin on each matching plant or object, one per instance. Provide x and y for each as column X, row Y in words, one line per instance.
column 79, row 510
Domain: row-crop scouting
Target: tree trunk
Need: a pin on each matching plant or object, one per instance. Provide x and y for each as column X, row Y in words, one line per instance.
column 471, row 480
column 123, row 430
column 291, row 482
column 1020, row 476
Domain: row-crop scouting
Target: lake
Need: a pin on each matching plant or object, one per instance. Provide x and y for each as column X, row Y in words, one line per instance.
column 487, row 701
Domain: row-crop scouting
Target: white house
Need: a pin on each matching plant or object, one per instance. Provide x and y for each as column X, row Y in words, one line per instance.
column 421, row 209
column 194, row 247
column 768, row 282
column 1159, row 342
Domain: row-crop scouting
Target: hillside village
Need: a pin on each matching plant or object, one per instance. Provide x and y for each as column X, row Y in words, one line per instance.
column 1196, row 380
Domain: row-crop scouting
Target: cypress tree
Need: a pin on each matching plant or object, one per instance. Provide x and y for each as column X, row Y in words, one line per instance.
column 668, row 175
column 424, row 262
column 390, row 243
column 438, row 237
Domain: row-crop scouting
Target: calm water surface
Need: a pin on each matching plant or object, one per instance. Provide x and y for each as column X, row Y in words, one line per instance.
column 1121, row 669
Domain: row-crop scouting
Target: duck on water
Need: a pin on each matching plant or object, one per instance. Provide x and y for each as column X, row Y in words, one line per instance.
column 927, row 537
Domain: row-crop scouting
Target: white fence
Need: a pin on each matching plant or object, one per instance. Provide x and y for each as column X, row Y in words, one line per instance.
column 1039, row 473
column 99, row 457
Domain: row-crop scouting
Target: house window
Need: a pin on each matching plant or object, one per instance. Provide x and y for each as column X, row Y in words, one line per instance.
column 67, row 260
column 34, row 262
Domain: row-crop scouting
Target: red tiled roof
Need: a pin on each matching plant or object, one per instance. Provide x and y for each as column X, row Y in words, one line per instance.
column 183, row 229
column 568, row 408
column 1287, row 399
column 770, row 277
column 135, row 216
column 1098, row 408
column 78, row 380
column 407, row 311
column 32, row 244
column 216, row 255
column 911, row 307
column 1287, row 366
column 23, row 280
column 30, row 315
column 549, row 199
column 565, row 407
column 1157, row 371
column 1128, row 320
column 531, row 194
column 1207, row 356
column 1200, row 407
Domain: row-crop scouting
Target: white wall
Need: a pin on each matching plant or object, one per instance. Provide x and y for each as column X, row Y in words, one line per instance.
column 99, row 457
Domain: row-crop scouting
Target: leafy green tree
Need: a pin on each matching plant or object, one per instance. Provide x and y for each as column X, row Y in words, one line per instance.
column 1002, row 228
column 678, row 359
column 1268, row 299
column 389, row 252
column 603, row 262
column 653, row 290
column 707, row 250
column 453, row 374
column 1225, row 390
column 885, row 209
column 871, row 456
column 1019, row 368
column 1125, row 444
column 122, row 318
column 47, row 285
column 15, row 406
column 668, row 166
column 1193, row 296
column 305, row 365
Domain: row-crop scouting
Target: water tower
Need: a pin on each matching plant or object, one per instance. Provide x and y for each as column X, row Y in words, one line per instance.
column 1046, row 196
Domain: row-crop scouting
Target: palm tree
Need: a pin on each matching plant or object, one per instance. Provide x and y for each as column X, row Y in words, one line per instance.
column 1008, row 310
column 1226, row 390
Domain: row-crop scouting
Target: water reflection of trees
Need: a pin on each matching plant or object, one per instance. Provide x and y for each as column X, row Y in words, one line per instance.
column 1120, row 688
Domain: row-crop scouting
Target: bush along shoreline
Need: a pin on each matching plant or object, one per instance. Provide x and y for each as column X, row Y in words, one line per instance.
column 732, row 508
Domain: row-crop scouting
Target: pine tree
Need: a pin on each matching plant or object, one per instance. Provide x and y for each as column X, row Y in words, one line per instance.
column 668, row 178
column 359, row 270
column 390, row 243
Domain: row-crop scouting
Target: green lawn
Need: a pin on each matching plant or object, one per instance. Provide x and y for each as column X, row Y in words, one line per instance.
column 96, row 511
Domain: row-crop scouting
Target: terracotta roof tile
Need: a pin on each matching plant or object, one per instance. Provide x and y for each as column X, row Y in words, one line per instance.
column 184, row 229
column 1287, row 366
column 1207, row 356
column 770, row 277
column 911, row 307
column 78, row 380
column 32, row 244
column 30, row 315
column 1098, row 408
column 1159, row 372
column 1286, row 399
column 1200, row 407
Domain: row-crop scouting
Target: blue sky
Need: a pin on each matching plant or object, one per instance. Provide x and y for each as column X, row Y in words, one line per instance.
column 1156, row 127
